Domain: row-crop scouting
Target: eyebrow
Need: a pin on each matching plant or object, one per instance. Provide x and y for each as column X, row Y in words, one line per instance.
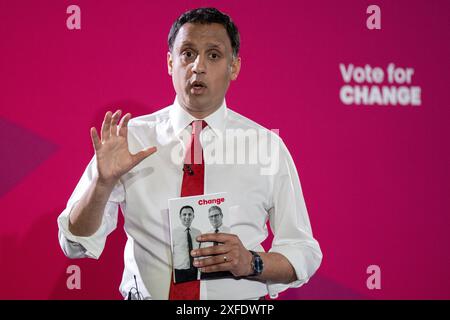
column 213, row 45
column 209, row 45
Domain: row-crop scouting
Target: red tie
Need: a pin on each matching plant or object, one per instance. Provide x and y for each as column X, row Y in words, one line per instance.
column 193, row 184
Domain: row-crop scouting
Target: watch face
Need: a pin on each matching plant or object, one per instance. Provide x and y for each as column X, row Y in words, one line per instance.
column 258, row 264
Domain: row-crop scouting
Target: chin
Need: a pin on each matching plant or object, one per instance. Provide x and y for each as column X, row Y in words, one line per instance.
column 198, row 102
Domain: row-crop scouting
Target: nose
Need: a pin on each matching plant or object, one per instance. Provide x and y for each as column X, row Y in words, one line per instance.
column 199, row 65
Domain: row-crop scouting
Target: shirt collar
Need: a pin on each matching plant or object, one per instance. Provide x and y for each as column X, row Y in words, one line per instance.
column 180, row 118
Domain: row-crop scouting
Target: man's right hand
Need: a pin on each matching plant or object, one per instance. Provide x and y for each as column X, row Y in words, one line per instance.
column 111, row 150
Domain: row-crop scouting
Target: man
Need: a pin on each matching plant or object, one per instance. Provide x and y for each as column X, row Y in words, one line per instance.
column 203, row 59
column 215, row 217
column 184, row 239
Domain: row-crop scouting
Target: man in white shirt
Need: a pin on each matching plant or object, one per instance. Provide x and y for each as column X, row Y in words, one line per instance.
column 127, row 171
column 184, row 240
column 215, row 217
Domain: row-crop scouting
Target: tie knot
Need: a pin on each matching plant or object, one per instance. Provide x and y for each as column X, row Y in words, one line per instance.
column 217, row 230
column 197, row 126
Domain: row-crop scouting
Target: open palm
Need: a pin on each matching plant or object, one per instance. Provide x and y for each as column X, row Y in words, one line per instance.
column 111, row 150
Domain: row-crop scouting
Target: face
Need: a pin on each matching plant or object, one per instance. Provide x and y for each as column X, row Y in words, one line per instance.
column 215, row 218
column 186, row 216
column 202, row 65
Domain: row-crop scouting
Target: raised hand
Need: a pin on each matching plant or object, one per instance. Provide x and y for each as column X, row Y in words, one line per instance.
column 111, row 150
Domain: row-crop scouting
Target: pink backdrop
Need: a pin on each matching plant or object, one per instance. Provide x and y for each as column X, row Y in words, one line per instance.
column 375, row 179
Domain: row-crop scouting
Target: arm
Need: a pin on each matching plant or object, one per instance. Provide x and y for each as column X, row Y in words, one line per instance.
column 277, row 268
column 86, row 216
column 289, row 221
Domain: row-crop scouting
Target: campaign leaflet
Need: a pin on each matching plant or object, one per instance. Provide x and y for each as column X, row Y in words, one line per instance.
column 189, row 217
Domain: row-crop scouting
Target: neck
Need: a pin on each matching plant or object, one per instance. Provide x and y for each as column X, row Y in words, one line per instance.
column 200, row 113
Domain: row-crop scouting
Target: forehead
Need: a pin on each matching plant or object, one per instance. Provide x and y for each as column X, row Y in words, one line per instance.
column 186, row 211
column 214, row 212
column 212, row 34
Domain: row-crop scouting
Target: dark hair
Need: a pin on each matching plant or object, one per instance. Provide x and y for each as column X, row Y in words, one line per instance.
column 186, row 207
column 206, row 16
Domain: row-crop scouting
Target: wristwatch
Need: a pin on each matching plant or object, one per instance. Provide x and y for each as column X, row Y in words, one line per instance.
column 257, row 264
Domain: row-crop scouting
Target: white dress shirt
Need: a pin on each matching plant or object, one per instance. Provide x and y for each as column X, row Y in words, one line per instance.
column 181, row 254
column 222, row 228
column 254, row 198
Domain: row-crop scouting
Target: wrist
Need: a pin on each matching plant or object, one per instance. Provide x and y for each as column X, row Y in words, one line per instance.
column 107, row 184
column 256, row 265
column 249, row 264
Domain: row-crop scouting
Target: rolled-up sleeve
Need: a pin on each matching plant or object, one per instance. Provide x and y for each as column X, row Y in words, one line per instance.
column 290, row 225
column 92, row 246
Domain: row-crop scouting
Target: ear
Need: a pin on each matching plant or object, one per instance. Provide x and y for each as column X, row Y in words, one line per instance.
column 169, row 63
column 235, row 67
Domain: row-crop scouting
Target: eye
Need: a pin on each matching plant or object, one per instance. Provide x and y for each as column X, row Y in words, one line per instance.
column 187, row 54
column 214, row 55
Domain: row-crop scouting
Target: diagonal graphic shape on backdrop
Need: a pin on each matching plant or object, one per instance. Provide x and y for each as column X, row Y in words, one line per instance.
column 22, row 152
column 321, row 287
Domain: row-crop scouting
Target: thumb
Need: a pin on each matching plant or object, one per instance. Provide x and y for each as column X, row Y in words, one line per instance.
column 141, row 155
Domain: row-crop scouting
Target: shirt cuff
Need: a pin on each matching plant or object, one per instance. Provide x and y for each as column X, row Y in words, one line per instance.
column 92, row 246
column 305, row 260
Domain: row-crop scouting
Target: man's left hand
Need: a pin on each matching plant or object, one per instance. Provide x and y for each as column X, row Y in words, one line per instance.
column 231, row 255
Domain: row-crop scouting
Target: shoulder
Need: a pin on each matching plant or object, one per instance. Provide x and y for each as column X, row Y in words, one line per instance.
column 151, row 119
column 143, row 131
column 178, row 229
column 267, row 139
column 237, row 121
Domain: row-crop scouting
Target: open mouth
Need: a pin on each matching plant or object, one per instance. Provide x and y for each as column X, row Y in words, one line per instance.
column 198, row 87
column 198, row 84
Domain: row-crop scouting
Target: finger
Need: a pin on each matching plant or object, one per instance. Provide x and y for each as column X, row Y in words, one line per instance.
column 217, row 237
column 212, row 250
column 213, row 260
column 114, row 120
column 217, row 267
column 105, row 126
column 95, row 139
column 141, row 155
column 123, row 125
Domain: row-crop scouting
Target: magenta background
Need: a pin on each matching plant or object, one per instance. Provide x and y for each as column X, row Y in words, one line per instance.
column 375, row 179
